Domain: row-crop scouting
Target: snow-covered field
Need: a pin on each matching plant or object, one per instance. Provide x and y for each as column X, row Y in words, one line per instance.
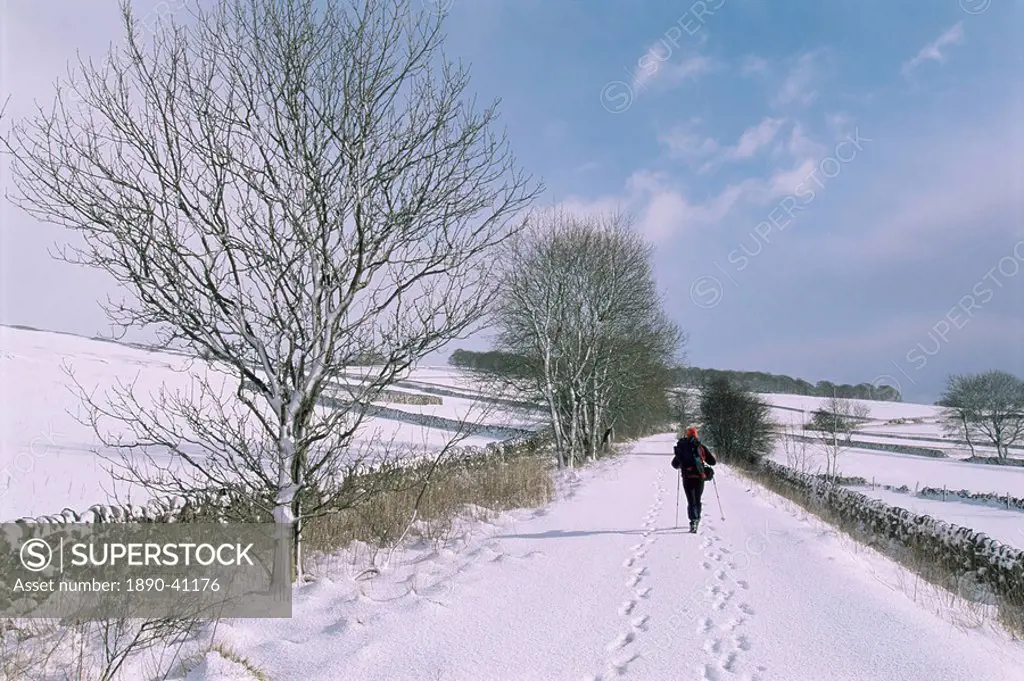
column 895, row 469
column 890, row 468
column 878, row 410
column 1005, row 526
column 49, row 461
column 598, row 584
column 601, row 585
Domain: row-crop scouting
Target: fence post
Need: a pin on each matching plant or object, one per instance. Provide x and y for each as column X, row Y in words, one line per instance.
column 943, row 492
column 872, row 482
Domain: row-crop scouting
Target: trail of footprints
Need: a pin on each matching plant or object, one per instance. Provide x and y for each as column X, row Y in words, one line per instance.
column 722, row 629
column 621, row 652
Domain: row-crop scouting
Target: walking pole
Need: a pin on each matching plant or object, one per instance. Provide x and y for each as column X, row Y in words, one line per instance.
column 679, row 481
column 720, row 511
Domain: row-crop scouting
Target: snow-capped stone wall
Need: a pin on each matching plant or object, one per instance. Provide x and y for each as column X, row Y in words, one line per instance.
column 960, row 551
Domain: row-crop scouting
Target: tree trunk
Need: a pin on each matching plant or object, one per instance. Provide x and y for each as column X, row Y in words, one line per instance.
column 967, row 433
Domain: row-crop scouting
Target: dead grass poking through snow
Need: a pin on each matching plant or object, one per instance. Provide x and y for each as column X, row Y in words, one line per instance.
column 453, row 493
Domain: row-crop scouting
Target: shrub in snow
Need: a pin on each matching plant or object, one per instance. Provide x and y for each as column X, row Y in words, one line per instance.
column 237, row 504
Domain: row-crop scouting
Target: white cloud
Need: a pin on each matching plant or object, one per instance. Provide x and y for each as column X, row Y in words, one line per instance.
column 839, row 124
column 752, row 65
column 657, row 65
column 684, row 143
column 756, row 138
column 800, row 145
column 798, row 87
column 664, row 211
column 923, row 204
column 933, row 51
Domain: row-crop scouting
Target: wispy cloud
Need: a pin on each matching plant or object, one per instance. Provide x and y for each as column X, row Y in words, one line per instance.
column 798, row 87
column 801, row 145
column 683, row 142
column 751, row 142
column 752, row 65
column 933, row 50
column 756, row 138
column 657, row 67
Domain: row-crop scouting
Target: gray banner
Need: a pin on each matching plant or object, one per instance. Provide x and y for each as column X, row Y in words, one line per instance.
column 151, row 571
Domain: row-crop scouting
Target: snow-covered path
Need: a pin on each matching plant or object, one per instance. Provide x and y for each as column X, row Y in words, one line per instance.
column 602, row 583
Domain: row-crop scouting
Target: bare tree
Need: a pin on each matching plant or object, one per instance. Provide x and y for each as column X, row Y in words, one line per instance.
column 683, row 404
column 834, row 425
column 987, row 406
column 288, row 187
column 579, row 304
column 794, row 445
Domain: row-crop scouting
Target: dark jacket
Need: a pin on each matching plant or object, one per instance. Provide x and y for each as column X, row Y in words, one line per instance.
column 685, row 458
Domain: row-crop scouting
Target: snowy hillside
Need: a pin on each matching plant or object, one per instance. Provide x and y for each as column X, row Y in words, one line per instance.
column 49, row 460
column 601, row 582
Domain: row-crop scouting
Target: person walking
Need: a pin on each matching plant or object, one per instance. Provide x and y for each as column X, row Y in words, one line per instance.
column 694, row 462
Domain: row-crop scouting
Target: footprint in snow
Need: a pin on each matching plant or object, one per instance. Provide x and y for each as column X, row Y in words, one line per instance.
column 644, row 592
column 640, row 623
column 712, row 674
column 713, row 646
column 743, row 643
column 627, row 607
column 621, row 641
column 620, row 664
column 634, row 580
column 729, row 664
column 629, row 562
column 746, row 609
column 735, row 623
column 705, row 625
column 705, row 565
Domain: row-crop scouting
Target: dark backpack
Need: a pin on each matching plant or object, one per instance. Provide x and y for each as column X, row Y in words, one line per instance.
column 688, row 457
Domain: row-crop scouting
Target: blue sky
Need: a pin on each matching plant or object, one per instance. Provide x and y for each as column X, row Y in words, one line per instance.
column 826, row 182
column 730, row 113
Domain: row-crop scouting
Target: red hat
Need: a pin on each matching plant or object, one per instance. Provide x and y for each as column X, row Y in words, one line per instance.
column 691, row 432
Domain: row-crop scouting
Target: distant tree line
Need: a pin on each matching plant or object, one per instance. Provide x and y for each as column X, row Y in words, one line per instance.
column 508, row 364
column 764, row 382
